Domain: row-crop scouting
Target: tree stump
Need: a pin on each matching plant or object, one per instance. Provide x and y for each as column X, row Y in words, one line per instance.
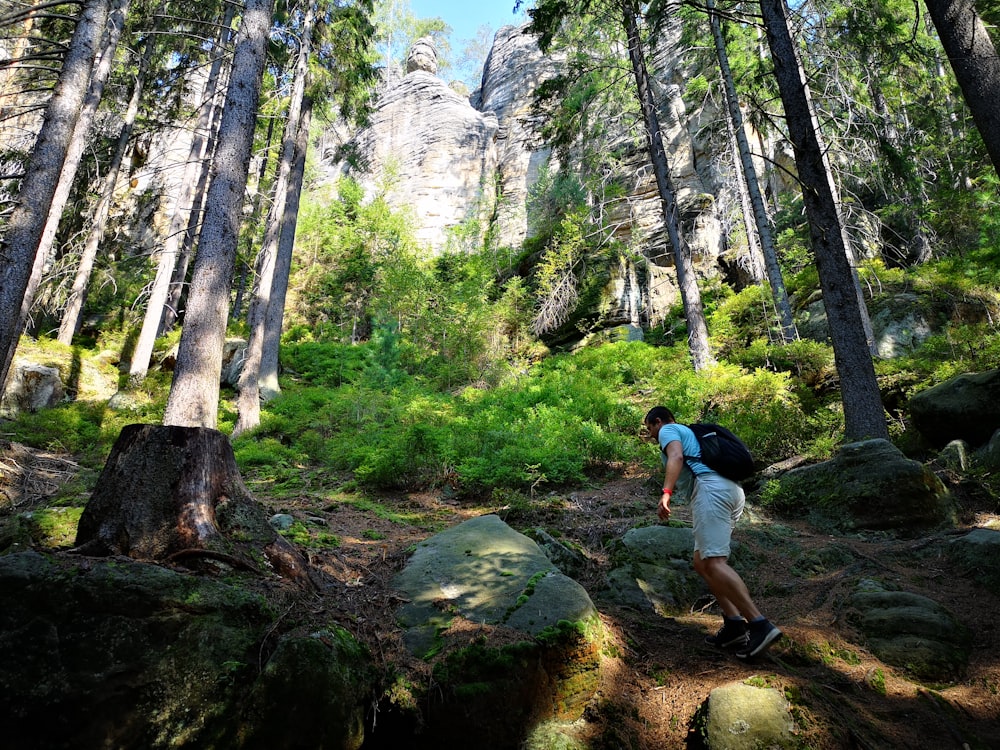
column 175, row 494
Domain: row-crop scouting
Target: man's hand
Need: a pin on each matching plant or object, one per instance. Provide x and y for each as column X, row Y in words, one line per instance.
column 664, row 510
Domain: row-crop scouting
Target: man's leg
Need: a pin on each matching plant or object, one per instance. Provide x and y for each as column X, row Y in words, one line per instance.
column 726, row 586
column 734, row 599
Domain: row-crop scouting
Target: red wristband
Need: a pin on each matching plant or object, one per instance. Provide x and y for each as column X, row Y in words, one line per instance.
column 667, row 492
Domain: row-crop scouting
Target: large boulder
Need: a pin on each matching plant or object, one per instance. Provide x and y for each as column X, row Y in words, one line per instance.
column 738, row 716
column 966, row 407
column 234, row 352
column 125, row 654
column 486, row 572
column 869, row 485
column 422, row 56
column 978, row 554
column 482, row 572
column 910, row 631
column 900, row 326
column 31, row 387
column 653, row 571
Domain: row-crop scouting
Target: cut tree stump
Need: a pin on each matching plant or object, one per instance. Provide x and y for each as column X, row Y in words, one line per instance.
column 175, row 494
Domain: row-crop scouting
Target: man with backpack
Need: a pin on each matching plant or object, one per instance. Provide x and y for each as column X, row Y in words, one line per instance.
column 716, row 506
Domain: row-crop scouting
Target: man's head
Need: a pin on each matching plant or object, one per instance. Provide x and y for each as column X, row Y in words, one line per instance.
column 656, row 418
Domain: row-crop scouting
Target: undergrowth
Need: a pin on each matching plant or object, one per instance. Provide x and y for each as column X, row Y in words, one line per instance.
column 368, row 415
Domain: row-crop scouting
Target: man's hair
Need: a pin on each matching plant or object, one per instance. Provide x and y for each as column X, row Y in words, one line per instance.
column 659, row 412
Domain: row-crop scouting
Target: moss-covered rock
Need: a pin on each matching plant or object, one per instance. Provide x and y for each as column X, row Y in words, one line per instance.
column 911, row 631
column 738, row 716
column 653, row 570
column 487, row 572
column 978, row 554
column 482, row 571
column 966, row 407
column 105, row 653
column 311, row 694
column 869, row 485
column 504, row 691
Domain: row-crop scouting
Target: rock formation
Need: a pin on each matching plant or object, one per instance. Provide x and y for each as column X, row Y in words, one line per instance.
column 427, row 150
column 447, row 161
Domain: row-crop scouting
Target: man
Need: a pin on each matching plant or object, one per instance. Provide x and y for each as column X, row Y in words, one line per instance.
column 716, row 506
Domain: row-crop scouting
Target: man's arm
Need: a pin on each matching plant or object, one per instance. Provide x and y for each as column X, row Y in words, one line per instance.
column 675, row 462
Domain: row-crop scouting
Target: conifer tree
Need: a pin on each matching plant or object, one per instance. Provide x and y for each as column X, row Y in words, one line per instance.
column 973, row 57
column 864, row 415
column 27, row 222
column 183, row 207
column 749, row 179
column 70, row 321
column 546, row 19
column 194, row 392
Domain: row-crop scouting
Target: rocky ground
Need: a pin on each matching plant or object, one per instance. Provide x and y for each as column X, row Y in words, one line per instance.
column 659, row 670
column 842, row 696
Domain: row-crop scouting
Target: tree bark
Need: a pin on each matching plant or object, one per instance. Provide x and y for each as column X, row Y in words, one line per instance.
column 749, row 180
column 687, row 282
column 143, row 351
column 194, row 393
column 286, row 244
column 977, row 67
column 27, row 221
column 248, row 404
column 175, row 494
column 256, row 197
column 178, row 281
column 864, row 415
column 74, row 305
column 74, row 154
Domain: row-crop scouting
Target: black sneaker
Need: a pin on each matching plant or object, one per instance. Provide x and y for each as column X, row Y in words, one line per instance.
column 732, row 634
column 761, row 635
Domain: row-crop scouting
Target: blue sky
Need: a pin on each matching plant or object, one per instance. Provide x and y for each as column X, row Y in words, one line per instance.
column 465, row 16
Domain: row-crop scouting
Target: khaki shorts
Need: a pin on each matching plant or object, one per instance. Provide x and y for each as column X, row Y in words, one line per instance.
column 716, row 505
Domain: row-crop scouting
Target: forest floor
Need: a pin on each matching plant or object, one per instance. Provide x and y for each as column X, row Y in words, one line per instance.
column 841, row 695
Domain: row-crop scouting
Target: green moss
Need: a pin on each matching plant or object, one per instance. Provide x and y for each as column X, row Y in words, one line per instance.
column 54, row 527
column 875, row 679
column 312, row 538
column 567, row 632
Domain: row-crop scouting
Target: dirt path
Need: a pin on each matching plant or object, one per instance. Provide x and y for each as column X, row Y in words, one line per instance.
column 842, row 696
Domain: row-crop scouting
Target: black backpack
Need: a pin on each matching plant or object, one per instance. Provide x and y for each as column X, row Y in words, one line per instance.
column 722, row 451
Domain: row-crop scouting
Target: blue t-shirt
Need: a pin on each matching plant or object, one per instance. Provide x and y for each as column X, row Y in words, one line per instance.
column 692, row 451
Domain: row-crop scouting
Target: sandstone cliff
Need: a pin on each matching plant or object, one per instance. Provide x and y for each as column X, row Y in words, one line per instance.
column 448, row 160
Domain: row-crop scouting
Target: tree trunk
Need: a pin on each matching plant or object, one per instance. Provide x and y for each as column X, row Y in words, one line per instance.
column 27, row 221
column 74, row 305
column 257, row 193
column 687, row 282
column 977, row 67
column 174, row 494
column 286, row 244
column 864, row 415
column 756, row 270
column 194, row 393
column 74, row 154
column 248, row 404
column 778, row 291
column 139, row 365
column 178, row 281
